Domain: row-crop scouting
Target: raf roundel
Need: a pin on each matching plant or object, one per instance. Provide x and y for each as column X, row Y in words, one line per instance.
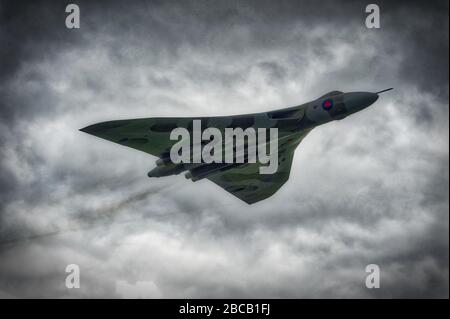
column 327, row 104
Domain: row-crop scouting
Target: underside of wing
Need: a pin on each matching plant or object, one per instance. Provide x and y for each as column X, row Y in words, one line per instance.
column 152, row 135
column 246, row 182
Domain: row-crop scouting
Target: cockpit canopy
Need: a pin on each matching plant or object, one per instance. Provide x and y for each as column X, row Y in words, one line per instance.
column 331, row 94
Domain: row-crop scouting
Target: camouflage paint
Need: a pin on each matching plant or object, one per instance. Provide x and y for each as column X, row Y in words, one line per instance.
column 152, row 135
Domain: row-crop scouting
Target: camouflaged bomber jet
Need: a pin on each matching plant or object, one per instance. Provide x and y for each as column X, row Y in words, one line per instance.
column 243, row 180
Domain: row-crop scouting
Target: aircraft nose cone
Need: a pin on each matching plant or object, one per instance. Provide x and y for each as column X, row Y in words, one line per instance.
column 356, row 101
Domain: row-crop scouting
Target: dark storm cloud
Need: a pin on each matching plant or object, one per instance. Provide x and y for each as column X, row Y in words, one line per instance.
column 29, row 31
column 370, row 189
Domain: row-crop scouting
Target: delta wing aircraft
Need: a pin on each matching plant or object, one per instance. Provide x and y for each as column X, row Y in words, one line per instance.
column 243, row 180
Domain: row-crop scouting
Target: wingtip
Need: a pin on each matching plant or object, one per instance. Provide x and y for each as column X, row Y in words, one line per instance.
column 84, row 129
column 90, row 129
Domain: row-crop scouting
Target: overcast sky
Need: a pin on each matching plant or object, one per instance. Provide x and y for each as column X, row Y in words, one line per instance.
column 370, row 189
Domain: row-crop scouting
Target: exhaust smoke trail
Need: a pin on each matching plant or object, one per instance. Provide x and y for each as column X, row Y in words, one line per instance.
column 93, row 218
